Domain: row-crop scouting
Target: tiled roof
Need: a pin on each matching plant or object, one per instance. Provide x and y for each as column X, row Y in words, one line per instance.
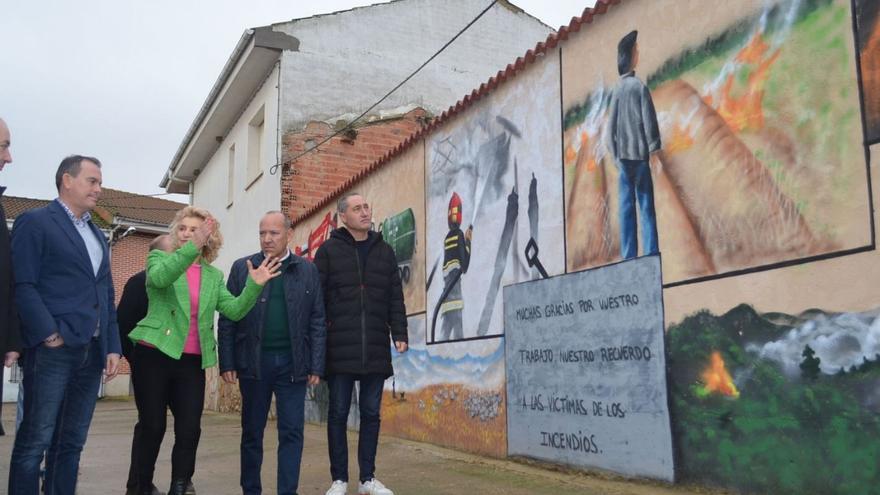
column 138, row 208
column 493, row 83
column 130, row 206
column 15, row 206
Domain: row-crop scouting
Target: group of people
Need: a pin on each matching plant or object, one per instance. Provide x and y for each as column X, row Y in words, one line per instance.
column 285, row 323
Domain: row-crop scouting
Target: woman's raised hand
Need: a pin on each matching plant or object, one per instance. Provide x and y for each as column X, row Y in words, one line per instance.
column 267, row 270
column 203, row 232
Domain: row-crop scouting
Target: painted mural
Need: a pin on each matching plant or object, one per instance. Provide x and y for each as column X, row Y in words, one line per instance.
column 494, row 204
column 453, row 398
column 736, row 150
column 868, row 28
column 745, row 132
column 792, row 400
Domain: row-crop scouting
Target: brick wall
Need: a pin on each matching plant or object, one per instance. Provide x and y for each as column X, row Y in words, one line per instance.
column 315, row 175
column 129, row 257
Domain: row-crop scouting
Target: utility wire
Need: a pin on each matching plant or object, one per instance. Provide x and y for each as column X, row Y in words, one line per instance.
column 274, row 168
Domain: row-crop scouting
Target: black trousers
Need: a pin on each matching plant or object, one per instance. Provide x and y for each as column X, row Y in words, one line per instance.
column 160, row 383
column 135, row 442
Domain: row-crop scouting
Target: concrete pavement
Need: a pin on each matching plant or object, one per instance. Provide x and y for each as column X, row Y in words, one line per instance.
column 406, row 467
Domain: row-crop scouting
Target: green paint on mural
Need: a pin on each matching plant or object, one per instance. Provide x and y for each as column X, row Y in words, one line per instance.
column 782, row 434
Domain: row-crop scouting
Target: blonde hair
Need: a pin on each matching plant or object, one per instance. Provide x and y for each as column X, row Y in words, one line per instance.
column 211, row 249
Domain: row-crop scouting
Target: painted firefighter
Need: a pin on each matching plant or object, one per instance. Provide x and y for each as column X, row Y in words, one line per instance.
column 456, row 257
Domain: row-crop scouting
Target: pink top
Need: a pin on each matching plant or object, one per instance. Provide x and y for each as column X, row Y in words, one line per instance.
column 194, row 280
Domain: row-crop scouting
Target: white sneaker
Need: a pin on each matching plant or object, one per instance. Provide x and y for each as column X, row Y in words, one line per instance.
column 373, row 487
column 338, row 487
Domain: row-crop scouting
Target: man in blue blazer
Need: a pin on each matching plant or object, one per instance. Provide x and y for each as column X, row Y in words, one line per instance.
column 64, row 294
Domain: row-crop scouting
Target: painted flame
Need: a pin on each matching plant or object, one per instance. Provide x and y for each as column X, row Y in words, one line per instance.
column 570, row 154
column 745, row 110
column 680, row 139
column 585, row 145
column 582, row 145
column 717, row 379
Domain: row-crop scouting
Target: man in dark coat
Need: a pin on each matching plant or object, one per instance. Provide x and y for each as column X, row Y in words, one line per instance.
column 10, row 340
column 365, row 312
column 276, row 349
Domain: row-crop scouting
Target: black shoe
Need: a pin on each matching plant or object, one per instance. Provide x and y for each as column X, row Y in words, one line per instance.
column 190, row 489
column 178, row 487
column 152, row 490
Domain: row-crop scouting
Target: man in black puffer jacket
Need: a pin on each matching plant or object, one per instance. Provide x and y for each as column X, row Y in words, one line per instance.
column 365, row 312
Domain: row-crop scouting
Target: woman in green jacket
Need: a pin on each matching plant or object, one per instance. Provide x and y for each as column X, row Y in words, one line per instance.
column 175, row 341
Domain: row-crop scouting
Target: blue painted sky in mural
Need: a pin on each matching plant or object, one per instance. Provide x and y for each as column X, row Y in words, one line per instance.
column 417, row 368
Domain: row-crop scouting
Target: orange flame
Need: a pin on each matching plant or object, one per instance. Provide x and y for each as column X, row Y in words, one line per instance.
column 753, row 52
column 679, row 140
column 717, row 379
column 746, row 111
column 585, row 143
column 573, row 152
column 570, row 154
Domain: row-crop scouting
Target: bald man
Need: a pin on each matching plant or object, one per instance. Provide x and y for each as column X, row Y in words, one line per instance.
column 10, row 339
column 276, row 349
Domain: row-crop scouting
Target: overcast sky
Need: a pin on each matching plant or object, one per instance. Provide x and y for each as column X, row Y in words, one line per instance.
column 122, row 81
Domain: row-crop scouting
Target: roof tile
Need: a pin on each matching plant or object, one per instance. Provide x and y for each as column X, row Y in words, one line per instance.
column 113, row 203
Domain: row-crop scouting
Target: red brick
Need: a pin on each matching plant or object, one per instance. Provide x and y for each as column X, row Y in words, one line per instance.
column 320, row 173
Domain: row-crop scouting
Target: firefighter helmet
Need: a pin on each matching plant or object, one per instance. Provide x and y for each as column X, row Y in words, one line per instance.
column 454, row 213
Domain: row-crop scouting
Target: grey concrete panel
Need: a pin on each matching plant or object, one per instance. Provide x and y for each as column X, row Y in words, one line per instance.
column 586, row 370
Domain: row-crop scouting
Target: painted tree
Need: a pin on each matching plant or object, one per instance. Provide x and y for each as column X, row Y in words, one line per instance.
column 810, row 364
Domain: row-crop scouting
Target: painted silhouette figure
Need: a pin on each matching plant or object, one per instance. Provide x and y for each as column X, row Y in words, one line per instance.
column 634, row 136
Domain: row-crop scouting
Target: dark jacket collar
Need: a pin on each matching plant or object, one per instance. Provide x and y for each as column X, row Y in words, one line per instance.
column 343, row 234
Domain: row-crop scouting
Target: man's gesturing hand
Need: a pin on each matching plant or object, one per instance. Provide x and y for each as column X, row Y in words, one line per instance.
column 267, row 270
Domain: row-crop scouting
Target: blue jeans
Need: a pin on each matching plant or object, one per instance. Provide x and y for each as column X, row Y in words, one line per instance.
column 62, row 386
column 370, row 402
column 636, row 184
column 256, row 396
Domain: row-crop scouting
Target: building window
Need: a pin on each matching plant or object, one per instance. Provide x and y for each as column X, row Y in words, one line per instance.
column 255, row 146
column 230, row 177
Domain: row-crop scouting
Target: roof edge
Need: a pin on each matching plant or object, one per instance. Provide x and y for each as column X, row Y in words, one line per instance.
column 519, row 10
column 221, row 81
column 258, row 37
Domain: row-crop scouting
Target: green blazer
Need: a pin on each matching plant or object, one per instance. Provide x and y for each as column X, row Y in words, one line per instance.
column 166, row 325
